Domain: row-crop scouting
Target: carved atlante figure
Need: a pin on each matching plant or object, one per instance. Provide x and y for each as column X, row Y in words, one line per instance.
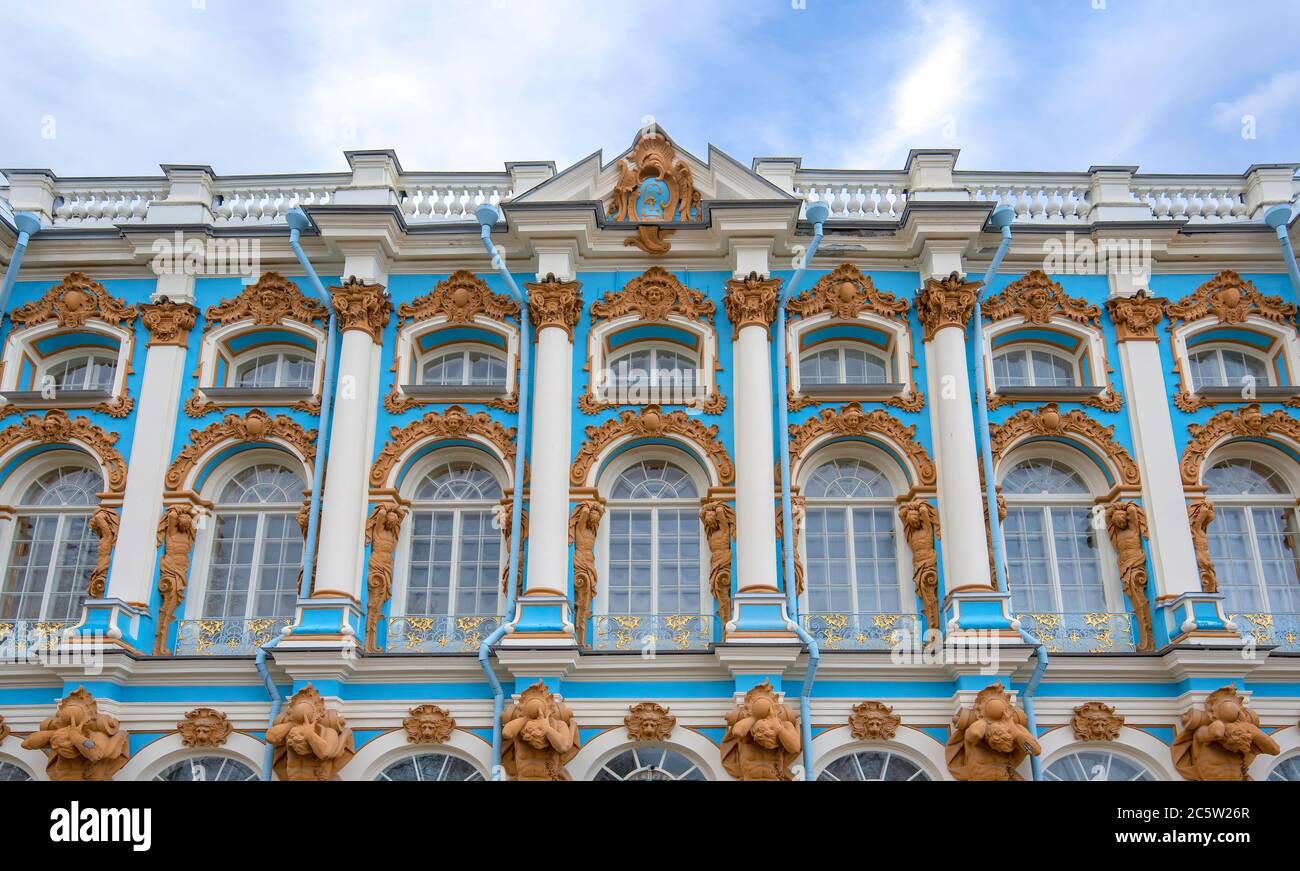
column 1200, row 514
column 921, row 526
column 583, row 523
column 311, row 743
column 176, row 533
column 1126, row 524
column 538, row 736
column 103, row 523
column 84, row 744
column 990, row 739
column 382, row 530
column 1221, row 741
column 762, row 737
column 719, row 522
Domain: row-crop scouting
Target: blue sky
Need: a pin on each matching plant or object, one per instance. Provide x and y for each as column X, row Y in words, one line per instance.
column 115, row 88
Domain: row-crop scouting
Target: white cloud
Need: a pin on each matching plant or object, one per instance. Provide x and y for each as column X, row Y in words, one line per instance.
column 1267, row 102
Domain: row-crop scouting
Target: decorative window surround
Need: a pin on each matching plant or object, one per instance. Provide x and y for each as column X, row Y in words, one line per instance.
column 270, row 315
column 1229, row 312
column 464, row 308
column 74, row 318
column 654, row 297
column 1030, row 314
column 847, row 298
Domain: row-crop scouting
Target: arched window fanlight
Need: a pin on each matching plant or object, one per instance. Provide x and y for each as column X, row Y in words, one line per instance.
column 430, row 766
column 649, row 763
column 81, row 372
column 877, row 765
column 1096, row 765
column 1286, row 770
column 10, row 773
column 207, row 768
column 843, row 364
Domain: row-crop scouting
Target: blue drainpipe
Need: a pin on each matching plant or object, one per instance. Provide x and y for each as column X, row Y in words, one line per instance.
column 298, row 221
column 277, row 701
column 817, row 214
column 487, row 217
column 1001, row 218
column 1278, row 217
column 29, row 224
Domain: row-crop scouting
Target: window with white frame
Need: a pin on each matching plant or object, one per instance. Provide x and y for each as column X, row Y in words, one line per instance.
column 80, row 371
column 52, row 548
column 1052, row 550
column 454, row 564
column 10, row 773
column 848, row 364
column 463, row 366
column 653, row 556
column 430, row 767
column 649, row 763
column 851, row 551
column 257, row 545
column 1286, row 770
column 207, row 768
column 274, row 368
column 1096, row 765
column 1228, row 367
column 1022, row 366
column 1252, row 539
column 657, row 366
column 877, row 765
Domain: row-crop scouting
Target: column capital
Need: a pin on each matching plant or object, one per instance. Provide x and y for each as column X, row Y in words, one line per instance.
column 751, row 302
column 946, row 302
column 1135, row 317
column 361, row 306
column 168, row 322
column 554, row 302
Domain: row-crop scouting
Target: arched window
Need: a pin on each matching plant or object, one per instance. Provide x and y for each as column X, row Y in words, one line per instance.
column 847, row 364
column 10, row 773
column 851, row 555
column 1033, row 367
column 1286, row 770
column 80, row 372
column 1096, row 765
column 207, row 768
column 1228, row 367
column 649, row 763
column 661, row 368
column 257, row 545
column 430, row 766
column 873, row 765
column 654, row 541
column 1253, row 538
column 275, row 368
column 455, row 551
column 464, row 366
column 53, row 549
column 1053, row 561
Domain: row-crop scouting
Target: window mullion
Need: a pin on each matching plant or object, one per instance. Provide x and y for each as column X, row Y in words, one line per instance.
column 654, row 561
column 853, row 558
column 1053, row 573
column 1257, row 560
column 51, row 571
column 453, row 569
column 255, row 571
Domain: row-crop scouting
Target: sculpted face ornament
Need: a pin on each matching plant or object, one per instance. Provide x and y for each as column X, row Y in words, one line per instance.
column 649, row 721
column 428, row 724
column 1221, row 741
column 204, row 727
column 873, row 721
column 1096, row 721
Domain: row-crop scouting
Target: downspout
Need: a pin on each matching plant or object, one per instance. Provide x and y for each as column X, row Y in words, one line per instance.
column 487, row 217
column 277, row 701
column 817, row 214
column 1278, row 217
column 1001, row 218
column 298, row 221
column 29, row 224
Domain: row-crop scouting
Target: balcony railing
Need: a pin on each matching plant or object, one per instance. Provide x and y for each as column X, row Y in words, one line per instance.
column 652, row 631
column 216, row 637
column 21, row 638
column 415, row 633
column 868, row 631
column 1081, row 633
column 1282, row 630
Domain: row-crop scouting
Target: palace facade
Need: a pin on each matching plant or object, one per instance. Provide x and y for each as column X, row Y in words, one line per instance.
column 174, row 605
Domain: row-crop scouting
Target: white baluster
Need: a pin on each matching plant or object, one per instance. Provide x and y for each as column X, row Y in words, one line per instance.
column 1224, row 211
column 63, row 210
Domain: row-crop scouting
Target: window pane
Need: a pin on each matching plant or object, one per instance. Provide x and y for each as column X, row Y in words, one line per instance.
column 1011, row 369
column 1051, row 370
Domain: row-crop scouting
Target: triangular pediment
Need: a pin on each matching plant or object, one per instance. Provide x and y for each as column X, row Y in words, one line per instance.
column 655, row 156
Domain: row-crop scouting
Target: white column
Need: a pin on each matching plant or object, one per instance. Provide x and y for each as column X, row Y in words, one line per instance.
column 755, row 456
column 130, row 576
column 548, row 515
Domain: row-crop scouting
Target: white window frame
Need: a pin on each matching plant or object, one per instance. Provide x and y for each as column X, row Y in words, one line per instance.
column 655, row 347
column 1031, row 348
column 464, row 349
column 20, row 346
column 410, row 483
column 706, row 353
column 1092, row 348
column 1096, row 486
column 280, row 352
column 605, row 486
column 201, row 564
column 408, row 356
column 1285, row 344
column 898, row 485
column 1218, row 349
column 898, row 349
column 840, row 346
column 215, row 347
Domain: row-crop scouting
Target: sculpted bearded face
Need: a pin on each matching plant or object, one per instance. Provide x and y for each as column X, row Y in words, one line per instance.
column 428, row 729
column 875, row 726
column 204, row 728
column 644, row 727
column 1096, row 725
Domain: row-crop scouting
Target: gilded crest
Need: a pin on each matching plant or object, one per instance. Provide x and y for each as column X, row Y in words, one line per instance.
column 654, row 294
column 655, row 184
